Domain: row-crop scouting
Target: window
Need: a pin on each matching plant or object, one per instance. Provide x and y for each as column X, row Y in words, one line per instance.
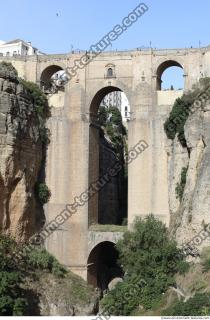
column 8, row 54
column 126, row 108
column 110, row 72
column 14, row 53
column 126, row 114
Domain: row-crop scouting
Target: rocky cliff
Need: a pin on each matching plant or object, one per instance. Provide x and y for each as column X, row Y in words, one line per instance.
column 20, row 157
column 191, row 213
column 53, row 296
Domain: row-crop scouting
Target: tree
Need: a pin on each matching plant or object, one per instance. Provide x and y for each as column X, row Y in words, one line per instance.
column 147, row 254
column 14, row 300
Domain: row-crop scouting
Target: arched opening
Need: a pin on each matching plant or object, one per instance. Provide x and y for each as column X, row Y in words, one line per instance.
column 103, row 266
column 53, row 79
column 110, row 73
column 107, row 159
column 170, row 76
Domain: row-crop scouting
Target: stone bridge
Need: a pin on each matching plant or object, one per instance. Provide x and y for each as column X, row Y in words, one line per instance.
column 72, row 160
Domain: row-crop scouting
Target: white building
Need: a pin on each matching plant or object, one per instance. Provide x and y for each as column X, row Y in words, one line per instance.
column 113, row 99
column 119, row 100
column 125, row 108
column 17, row 47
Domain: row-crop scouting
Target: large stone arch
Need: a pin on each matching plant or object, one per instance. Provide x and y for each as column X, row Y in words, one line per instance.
column 101, row 88
column 100, row 94
column 102, row 265
column 94, row 132
column 163, row 66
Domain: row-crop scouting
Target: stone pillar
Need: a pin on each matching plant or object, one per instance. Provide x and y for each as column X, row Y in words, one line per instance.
column 67, row 172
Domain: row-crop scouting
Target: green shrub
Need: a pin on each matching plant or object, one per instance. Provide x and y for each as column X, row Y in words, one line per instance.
column 20, row 306
column 111, row 120
column 146, row 254
column 199, row 305
column 12, row 297
column 14, row 300
column 42, row 260
column 45, row 135
column 181, row 185
column 183, row 267
column 38, row 98
column 116, row 117
column 181, row 110
column 102, row 116
column 177, row 119
column 43, row 193
column 10, row 293
column 122, row 300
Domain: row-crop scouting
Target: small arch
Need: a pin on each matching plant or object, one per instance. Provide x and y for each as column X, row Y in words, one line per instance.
column 103, row 265
column 46, row 76
column 110, row 73
column 162, row 68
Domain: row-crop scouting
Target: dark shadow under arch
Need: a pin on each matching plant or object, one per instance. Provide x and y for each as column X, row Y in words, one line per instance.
column 102, row 265
column 96, row 149
column 162, row 67
column 47, row 73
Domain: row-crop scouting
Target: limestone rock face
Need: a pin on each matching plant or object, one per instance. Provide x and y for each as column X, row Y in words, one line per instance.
column 114, row 282
column 20, row 159
column 193, row 214
column 53, row 296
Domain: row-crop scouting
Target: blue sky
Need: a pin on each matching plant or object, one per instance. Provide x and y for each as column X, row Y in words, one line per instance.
column 167, row 24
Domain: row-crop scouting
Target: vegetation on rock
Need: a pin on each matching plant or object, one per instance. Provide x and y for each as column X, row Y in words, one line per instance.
column 181, row 185
column 8, row 67
column 174, row 124
column 38, row 98
column 149, row 258
column 13, row 298
column 205, row 259
column 40, row 103
column 199, row 305
column 33, row 268
column 42, row 260
column 43, row 193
